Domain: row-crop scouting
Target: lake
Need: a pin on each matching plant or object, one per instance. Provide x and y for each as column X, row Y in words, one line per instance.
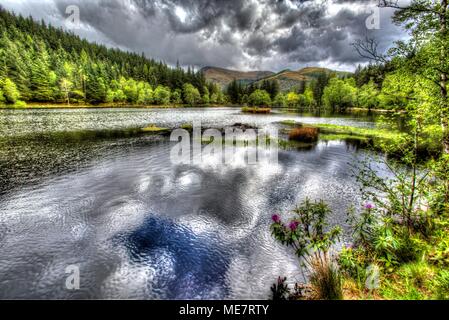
column 79, row 188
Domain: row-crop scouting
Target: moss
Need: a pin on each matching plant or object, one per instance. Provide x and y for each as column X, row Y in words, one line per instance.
column 290, row 123
column 187, row 127
column 337, row 136
column 155, row 129
column 374, row 133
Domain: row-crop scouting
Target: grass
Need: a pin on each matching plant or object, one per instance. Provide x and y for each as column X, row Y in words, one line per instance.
column 373, row 133
column 256, row 110
column 326, row 280
column 391, row 142
column 291, row 123
column 154, row 129
column 97, row 106
column 187, row 126
column 411, row 281
column 306, row 134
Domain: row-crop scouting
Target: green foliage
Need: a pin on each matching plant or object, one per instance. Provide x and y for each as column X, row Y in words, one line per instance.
column 439, row 248
column 20, row 104
column 353, row 264
column 280, row 100
column 206, row 96
column 162, row 95
column 146, row 94
column 310, row 234
column 176, row 97
column 293, row 99
column 191, row 94
column 440, row 285
column 213, row 98
column 10, row 93
column 47, row 64
column 318, row 86
column 239, row 93
column 368, row 96
column 272, row 87
column 339, row 94
column 259, row 98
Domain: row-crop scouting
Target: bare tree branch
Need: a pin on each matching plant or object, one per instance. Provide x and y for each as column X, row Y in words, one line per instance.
column 368, row 49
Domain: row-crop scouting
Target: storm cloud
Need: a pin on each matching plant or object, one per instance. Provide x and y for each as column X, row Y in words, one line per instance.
column 239, row 34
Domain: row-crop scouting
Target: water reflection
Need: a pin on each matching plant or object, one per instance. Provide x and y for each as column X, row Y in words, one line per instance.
column 141, row 227
column 185, row 265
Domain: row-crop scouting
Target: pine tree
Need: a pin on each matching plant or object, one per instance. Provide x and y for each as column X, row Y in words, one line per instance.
column 42, row 78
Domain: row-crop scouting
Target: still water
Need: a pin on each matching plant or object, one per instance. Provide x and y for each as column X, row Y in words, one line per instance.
column 78, row 188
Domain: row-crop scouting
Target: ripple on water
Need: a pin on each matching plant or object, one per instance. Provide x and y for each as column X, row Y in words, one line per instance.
column 139, row 226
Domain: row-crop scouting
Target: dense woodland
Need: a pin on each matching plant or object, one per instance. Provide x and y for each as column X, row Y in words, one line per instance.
column 41, row 63
column 369, row 88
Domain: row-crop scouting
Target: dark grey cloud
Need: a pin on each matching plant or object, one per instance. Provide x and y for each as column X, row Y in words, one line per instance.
column 260, row 34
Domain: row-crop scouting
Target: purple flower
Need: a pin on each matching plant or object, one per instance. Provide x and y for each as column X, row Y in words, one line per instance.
column 276, row 218
column 369, row 206
column 293, row 225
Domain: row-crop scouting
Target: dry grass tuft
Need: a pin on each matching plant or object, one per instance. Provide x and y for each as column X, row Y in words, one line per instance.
column 304, row 134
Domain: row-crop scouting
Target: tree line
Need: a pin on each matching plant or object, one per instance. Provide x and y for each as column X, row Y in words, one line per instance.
column 41, row 63
column 374, row 86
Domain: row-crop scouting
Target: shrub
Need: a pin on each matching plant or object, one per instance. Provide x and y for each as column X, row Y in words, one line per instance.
column 162, row 95
column 311, row 236
column 326, row 279
column 441, row 285
column 353, row 264
column 20, row 104
column 259, row 98
column 280, row 291
column 418, row 273
column 304, row 134
column 2, row 97
column 10, row 91
column 439, row 253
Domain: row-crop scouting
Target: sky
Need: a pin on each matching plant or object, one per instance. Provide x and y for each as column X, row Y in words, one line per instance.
column 237, row 34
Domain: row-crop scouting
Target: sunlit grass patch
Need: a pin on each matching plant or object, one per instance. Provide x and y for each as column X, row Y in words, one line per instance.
column 362, row 132
column 155, row 129
column 187, row 126
column 412, row 281
column 291, row 123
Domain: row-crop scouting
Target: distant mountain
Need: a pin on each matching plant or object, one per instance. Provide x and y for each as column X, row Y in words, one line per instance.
column 223, row 77
column 289, row 79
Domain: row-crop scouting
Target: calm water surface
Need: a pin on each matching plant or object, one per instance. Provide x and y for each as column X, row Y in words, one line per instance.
column 76, row 188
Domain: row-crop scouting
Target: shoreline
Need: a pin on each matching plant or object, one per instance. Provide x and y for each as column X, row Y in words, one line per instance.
column 50, row 106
